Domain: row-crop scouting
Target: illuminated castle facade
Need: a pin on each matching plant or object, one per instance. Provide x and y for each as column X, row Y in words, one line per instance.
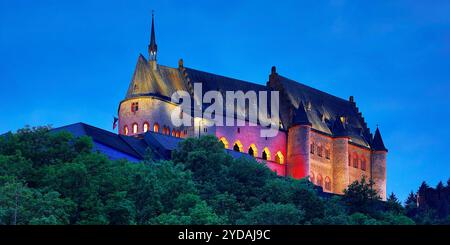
column 320, row 135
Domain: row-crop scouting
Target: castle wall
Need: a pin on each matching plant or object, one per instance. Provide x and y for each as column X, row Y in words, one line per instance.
column 250, row 135
column 321, row 164
column 151, row 110
column 356, row 172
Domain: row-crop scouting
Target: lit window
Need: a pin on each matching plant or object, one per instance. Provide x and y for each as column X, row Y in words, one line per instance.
column 156, row 127
column 146, row 126
column 135, row 128
column 252, row 150
column 266, row 154
column 125, row 130
column 311, row 177
column 174, row 132
column 279, row 158
column 237, row 146
column 224, row 142
column 327, row 183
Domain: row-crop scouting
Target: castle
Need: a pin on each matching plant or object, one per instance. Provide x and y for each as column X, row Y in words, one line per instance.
column 320, row 135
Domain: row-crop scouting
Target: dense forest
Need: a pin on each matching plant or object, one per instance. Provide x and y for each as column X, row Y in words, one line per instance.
column 54, row 178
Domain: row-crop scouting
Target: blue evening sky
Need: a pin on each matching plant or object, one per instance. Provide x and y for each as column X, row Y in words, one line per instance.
column 63, row 62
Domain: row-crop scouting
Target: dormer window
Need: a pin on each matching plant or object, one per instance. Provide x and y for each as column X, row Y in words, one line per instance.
column 134, row 106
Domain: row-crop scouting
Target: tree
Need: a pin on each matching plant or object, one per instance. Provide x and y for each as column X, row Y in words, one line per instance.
column 360, row 196
column 394, row 205
column 273, row 214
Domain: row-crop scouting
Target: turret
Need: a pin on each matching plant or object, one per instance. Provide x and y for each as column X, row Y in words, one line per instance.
column 340, row 159
column 378, row 166
column 298, row 147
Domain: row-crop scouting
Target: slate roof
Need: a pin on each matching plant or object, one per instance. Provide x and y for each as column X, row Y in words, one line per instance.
column 320, row 109
column 377, row 143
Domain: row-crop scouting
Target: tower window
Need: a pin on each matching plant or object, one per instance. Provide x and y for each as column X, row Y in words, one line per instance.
column 327, row 153
column 319, row 180
column 135, row 128
column 125, row 130
column 134, row 106
column 146, row 126
column 156, row 127
column 319, row 150
column 313, row 148
column 355, row 160
column 349, row 160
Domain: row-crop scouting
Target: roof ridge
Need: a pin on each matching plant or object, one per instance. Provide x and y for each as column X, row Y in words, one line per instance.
column 239, row 80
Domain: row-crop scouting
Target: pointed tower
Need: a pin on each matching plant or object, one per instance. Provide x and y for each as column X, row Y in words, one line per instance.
column 340, row 155
column 298, row 147
column 378, row 166
column 152, row 47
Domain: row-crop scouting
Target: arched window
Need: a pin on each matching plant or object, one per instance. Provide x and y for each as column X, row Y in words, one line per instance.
column 135, row 128
column 174, row 132
column 327, row 183
column 252, row 150
column 363, row 163
column 311, row 177
column 125, row 130
column 156, row 127
column 319, row 180
column 224, row 142
column 313, row 148
column 146, row 126
column 266, row 154
column 178, row 134
column 238, row 146
column 279, row 158
column 355, row 160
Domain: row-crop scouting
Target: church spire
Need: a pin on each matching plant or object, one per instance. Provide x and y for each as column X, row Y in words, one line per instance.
column 152, row 47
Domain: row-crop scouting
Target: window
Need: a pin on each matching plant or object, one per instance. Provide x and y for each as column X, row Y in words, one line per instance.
column 266, row 154
column 134, row 106
column 349, row 159
column 319, row 150
column 313, row 148
column 125, row 130
column 178, row 134
column 224, row 141
column 327, row 152
column 166, row 130
column 237, row 146
column 135, row 128
column 205, row 130
column 279, row 158
column 327, row 183
column 239, row 130
column 319, row 180
column 355, row 160
column 252, row 150
column 146, row 126
column 174, row 132
column 156, row 127
column 363, row 163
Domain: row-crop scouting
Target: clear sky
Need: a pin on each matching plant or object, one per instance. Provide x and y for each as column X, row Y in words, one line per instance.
column 63, row 62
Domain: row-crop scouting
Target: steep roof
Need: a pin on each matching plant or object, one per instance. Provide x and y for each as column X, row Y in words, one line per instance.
column 377, row 143
column 162, row 81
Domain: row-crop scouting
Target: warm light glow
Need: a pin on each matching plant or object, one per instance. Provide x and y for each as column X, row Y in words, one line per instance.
column 279, row 158
column 224, row 142
column 252, row 150
column 319, row 180
column 146, row 126
column 237, row 146
column 135, row 128
column 266, row 154
column 125, row 130
column 156, row 127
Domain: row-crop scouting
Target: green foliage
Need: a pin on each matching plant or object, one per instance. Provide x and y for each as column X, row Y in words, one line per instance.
column 55, row 178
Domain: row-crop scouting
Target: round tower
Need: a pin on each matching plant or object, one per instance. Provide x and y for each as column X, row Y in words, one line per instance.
column 298, row 150
column 340, row 164
column 378, row 166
